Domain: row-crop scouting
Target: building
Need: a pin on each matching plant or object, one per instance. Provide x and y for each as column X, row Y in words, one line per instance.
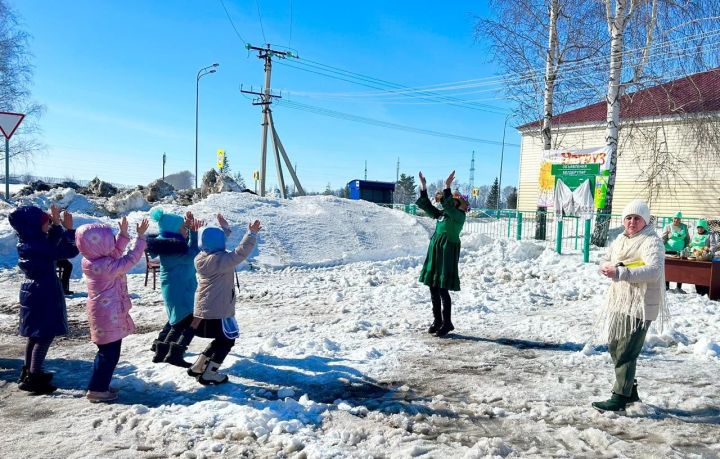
column 668, row 151
column 378, row 192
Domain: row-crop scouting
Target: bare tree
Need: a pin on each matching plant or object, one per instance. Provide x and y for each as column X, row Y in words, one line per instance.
column 16, row 74
column 516, row 34
column 644, row 34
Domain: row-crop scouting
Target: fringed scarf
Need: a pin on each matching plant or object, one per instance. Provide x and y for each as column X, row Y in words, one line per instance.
column 625, row 302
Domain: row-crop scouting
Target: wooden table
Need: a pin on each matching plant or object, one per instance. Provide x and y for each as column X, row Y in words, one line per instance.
column 706, row 273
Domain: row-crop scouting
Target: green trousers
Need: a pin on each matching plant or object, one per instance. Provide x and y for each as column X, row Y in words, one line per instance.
column 624, row 353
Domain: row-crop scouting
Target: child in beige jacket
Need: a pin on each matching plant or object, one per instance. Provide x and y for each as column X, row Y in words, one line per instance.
column 214, row 314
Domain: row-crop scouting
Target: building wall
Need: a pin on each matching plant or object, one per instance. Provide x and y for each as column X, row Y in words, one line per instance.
column 684, row 177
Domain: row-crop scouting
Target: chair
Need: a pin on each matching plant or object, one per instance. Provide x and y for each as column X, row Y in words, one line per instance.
column 153, row 265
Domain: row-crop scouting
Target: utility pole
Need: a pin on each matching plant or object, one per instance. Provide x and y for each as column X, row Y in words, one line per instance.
column 366, row 169
column 265, row 98
column 472, row 172
column 164, row 159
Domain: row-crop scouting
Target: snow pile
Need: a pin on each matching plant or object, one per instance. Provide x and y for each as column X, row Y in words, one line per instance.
column 124, row 203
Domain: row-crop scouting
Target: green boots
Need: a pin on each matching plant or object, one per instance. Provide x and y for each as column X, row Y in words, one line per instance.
column 618, row 402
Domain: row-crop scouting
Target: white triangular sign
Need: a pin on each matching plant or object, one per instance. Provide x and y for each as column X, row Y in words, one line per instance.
column 9, row 122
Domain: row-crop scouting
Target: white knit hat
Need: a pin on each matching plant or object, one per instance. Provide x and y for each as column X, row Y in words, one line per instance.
column 637, row 207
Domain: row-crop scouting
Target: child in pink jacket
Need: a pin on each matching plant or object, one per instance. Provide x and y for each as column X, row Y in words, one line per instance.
column 108, row 305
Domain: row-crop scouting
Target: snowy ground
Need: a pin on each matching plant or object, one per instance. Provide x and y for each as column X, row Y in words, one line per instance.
column 334, row 360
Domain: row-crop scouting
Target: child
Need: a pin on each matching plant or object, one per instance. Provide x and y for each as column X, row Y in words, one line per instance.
column 215, row 299
column 177, row 246
column 43, row 316
column 440, row 270
column 108, row 304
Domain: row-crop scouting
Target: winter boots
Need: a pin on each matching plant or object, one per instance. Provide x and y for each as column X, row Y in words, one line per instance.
column 198, row 367
column 101, row 397
column 616, row 402
column 437, row 319
column 24, row 373
column 37, row 384
column 447, row 325
column 211, row 375
column 175, row 355
column 634, row 397
column 161, row 351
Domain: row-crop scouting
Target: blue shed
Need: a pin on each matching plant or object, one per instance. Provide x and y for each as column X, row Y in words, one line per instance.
column 378, row 192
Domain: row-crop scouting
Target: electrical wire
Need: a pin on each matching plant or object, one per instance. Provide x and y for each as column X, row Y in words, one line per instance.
column 232, row 23
column 291, row 25
column 385, row 124
column 262, row 29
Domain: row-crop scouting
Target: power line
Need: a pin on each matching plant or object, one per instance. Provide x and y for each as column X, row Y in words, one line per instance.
column 385, row 124
column 232, row 23
column 262, row 29
column 291, row 24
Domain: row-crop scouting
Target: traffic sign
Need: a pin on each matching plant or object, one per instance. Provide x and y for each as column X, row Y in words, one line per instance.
column 9, row 122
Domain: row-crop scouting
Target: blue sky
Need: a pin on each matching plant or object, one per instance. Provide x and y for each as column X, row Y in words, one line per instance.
column 118, row 82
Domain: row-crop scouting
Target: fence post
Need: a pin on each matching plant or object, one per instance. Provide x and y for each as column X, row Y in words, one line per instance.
column 577, row 231
column 518, row 230
column 558, row 236
column 509, row 218
column 586, row 242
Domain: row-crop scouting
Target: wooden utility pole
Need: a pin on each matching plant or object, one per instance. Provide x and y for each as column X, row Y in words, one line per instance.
column 265, row 98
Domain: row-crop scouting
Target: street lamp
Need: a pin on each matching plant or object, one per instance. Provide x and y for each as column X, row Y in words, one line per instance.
column 201, row 73
column 502, row 155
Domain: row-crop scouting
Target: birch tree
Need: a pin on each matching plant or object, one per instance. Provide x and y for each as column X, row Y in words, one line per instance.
column 646, row 34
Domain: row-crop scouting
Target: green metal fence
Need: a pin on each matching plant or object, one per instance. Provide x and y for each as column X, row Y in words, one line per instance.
column 568, row 234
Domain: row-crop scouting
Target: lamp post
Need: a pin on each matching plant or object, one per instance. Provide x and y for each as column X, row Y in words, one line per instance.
column 502, row 155
column 201, row 73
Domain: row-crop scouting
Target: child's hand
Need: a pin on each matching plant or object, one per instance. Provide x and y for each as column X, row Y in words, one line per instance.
column 221, row 220
column 254, row 227
column 67, row 220
column 422, row 180
column 124, row 227
column 142, row 227
column 184, row 231
column 189, row 217
column 197, row 224
column 55, row 214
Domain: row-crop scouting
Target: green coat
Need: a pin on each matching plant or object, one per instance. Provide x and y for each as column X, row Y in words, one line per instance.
column 441, row 263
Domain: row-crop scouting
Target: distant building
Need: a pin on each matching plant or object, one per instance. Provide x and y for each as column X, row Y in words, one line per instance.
column 378, row 192
column 663, row 155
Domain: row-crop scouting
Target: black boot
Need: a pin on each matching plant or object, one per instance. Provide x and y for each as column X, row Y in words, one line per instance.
column 24, row 372
column 437, row 319
column 175, row 356
column 616, row 402
column 161, row 350
column 37, row 384
column 447, row 325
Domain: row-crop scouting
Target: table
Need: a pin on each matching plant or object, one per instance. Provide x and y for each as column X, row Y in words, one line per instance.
column 706, row 273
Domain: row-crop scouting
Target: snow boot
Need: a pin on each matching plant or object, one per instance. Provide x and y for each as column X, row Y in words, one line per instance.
column 616, row 403
column 198, row 367
column 101, row 397
column 634, row 397
column 437, row 319
column 175, row 356
column 24, row 372
column 161, row 350
column 37, row 384
column 211, row 375
column 447, row 325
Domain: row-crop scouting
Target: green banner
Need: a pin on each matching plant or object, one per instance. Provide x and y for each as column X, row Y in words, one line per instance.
column 560, row 170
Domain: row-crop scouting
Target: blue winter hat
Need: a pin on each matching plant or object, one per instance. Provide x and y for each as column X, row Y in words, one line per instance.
column 212, row 239
column 169, row 223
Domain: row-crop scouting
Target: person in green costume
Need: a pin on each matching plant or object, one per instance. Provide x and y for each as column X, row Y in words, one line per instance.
column 676, row 238
column 700, row 240
column 440, row 270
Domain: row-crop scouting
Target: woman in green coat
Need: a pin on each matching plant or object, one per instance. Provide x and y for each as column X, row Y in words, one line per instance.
column 440, row 270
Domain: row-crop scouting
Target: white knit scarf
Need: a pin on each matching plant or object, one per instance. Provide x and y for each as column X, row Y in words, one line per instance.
column 625, row 301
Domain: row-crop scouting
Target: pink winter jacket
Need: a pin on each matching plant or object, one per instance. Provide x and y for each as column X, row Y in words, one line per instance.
column 105, row 269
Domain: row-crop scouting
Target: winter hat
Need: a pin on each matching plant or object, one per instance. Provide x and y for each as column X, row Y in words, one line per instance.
column 703, row 224
column 95, row 240
column 678, row 214
column 27, row 221
column 212, row 239
column 169, row 223
column 637, row 207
